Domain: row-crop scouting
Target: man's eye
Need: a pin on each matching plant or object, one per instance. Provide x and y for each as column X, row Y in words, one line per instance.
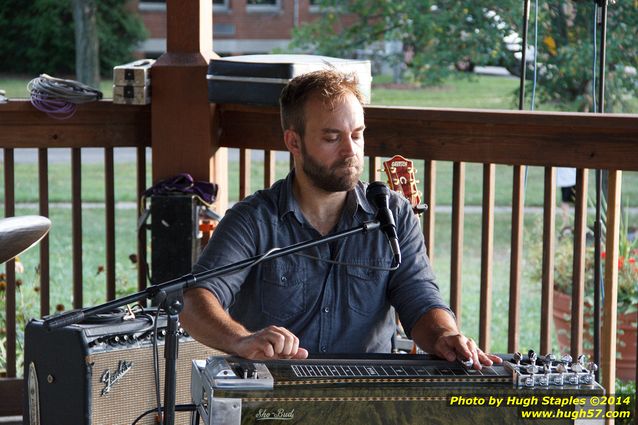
column 331, row 139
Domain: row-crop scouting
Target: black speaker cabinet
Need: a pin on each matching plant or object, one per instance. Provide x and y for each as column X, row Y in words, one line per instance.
column 174, row 231
column 101, row 373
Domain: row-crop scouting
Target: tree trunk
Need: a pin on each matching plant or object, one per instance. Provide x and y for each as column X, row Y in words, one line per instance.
column 87, row 55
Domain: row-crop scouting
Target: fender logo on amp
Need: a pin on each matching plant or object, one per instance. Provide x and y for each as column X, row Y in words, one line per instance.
column 109, row 379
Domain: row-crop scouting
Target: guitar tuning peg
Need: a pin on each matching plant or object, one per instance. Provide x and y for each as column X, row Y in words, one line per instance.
column 417, row 181
column 395, row 181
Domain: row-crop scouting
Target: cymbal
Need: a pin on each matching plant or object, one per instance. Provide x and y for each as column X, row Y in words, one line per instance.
column 17, row 234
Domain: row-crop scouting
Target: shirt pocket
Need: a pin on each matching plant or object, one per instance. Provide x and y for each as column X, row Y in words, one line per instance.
column 367, row 286
column 282, row 291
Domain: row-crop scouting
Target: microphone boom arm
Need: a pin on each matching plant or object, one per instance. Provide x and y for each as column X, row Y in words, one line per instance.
column 168, row 296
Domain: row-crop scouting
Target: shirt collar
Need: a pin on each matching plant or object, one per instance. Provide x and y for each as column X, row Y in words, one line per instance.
column 287, row 202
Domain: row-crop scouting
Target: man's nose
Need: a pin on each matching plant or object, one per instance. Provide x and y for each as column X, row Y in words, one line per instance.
column 348, row 147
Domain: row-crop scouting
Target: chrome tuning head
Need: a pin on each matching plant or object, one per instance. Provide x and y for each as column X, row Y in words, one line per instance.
column 549, row 359
column 517, row 357
column 531, row 354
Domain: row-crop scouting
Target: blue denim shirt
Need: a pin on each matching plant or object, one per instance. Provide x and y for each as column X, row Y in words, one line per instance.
column 331, row 308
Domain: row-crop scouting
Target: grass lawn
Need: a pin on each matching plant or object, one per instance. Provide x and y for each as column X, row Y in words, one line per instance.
column 464, row 91
column 478, row 92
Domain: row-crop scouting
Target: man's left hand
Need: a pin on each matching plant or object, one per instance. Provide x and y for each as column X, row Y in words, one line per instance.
column 455, row 346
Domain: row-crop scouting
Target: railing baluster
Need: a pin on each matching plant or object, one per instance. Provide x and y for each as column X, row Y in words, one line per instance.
column 141, row 233
column 244, row 173
column 9, row 211
column 549, row 220
column 270, row 167
column 109, row 197
column 76, row 206
column 610, row 308
column 458, row 212
column 487, row 251
column 578, row 276
column 429, row 198
column 43, row 187
column 374, row 165
column 518, row 205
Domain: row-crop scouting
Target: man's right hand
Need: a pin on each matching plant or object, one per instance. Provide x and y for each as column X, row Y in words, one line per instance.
column 273, row 342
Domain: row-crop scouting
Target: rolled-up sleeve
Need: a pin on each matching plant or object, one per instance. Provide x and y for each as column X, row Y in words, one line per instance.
column 412, row 288
column 234, row 238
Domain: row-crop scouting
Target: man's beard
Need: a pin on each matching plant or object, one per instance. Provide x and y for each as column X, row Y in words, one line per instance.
column 327, row 178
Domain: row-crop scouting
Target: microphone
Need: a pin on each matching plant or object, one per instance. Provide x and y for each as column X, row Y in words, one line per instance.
column 378, row 195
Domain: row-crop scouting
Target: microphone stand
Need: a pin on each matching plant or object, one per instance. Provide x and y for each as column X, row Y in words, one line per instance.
column 602, row 8
column 169, row 297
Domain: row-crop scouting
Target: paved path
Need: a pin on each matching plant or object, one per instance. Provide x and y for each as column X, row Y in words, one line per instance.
column 121, row 155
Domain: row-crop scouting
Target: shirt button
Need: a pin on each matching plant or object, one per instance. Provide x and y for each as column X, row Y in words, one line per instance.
column 323, row 348
column 283, row 278
column 326, row 309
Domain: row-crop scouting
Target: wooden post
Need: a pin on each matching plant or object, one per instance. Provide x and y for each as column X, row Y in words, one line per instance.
column 182, row 117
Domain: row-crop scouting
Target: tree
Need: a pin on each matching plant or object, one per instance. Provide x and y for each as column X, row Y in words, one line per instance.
column 38, row 36
column 434, row 34
column 440, row 34
column 566, row 54
column 87, row 47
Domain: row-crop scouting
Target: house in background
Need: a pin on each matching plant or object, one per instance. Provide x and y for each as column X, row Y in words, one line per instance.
column 239, row 26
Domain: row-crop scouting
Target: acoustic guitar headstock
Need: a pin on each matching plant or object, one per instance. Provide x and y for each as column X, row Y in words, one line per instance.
column 401, row 178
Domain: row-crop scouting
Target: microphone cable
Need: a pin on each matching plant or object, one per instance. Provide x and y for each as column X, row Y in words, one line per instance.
column 343, row 263
column 58, row 98
column 178, row 408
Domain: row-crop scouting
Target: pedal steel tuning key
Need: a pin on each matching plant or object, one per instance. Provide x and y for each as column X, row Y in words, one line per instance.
column 517, row 357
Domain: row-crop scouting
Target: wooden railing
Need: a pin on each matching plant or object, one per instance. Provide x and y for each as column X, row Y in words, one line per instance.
column 99, row 125
column 460, row 136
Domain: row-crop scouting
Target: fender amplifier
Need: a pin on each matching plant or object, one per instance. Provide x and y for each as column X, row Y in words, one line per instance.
column 101, row 372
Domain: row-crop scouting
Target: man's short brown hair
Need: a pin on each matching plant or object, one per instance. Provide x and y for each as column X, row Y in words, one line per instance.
column 330, row 84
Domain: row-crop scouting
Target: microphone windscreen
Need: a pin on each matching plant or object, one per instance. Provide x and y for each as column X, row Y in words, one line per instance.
column 376, row 189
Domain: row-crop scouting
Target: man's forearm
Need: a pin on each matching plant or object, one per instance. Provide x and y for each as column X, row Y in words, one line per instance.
column 431, row 326
column 206, row 320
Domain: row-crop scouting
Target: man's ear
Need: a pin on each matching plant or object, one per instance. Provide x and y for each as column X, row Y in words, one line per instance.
column 293, row 142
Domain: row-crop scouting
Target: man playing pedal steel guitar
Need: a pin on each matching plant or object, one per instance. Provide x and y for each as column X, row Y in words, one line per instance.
column 332, row 298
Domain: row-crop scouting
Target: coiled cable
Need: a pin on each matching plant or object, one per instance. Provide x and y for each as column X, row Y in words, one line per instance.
column 58, row 98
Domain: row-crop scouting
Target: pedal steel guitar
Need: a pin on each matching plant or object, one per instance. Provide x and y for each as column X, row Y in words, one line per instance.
column 390, row 389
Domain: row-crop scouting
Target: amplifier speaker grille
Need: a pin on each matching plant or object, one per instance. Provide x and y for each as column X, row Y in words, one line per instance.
column 134, row 393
